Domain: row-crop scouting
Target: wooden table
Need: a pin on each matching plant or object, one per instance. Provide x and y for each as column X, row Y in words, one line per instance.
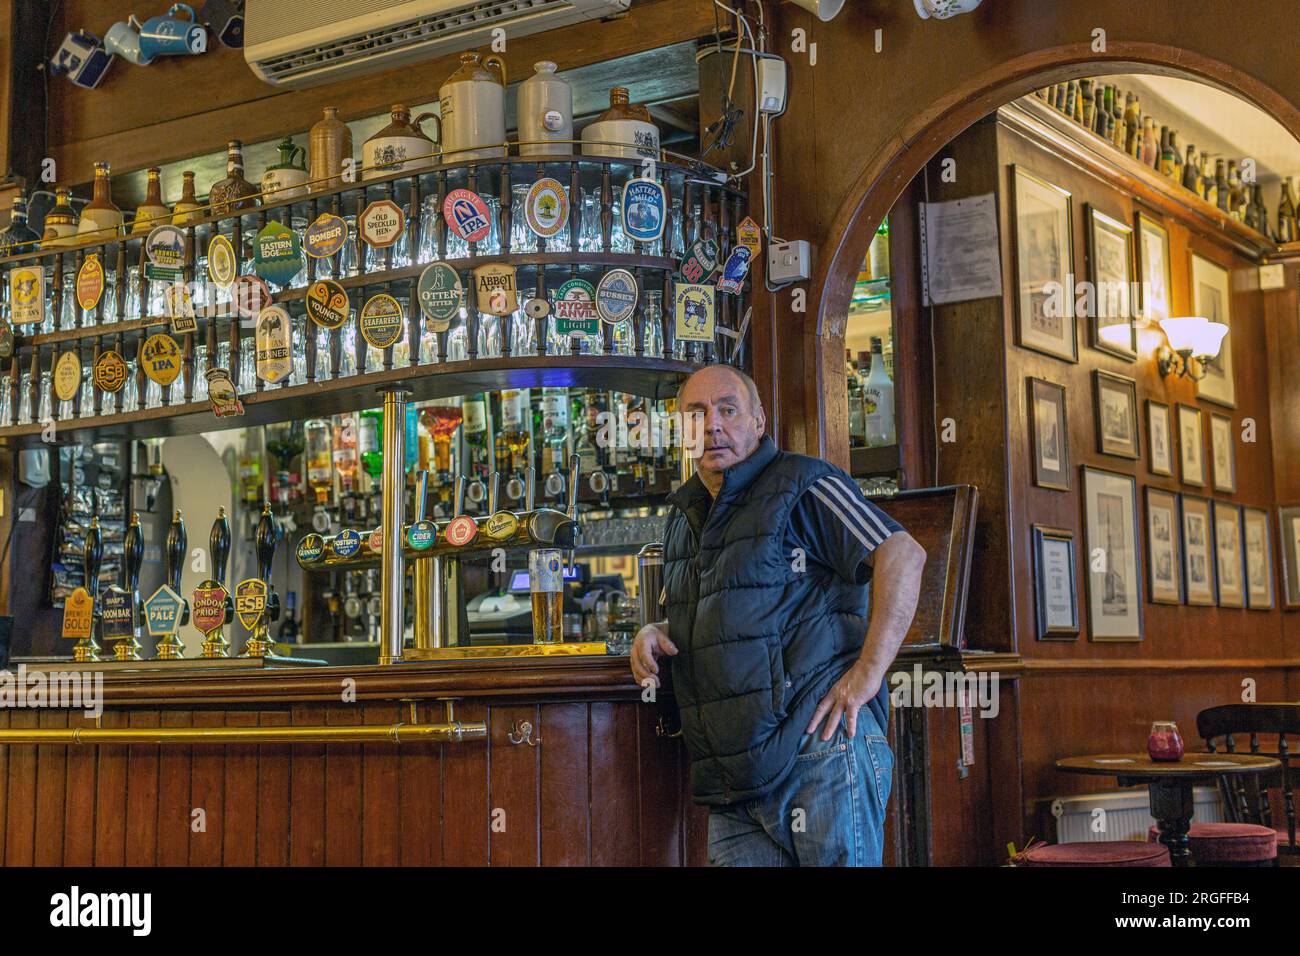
column 1169, row 785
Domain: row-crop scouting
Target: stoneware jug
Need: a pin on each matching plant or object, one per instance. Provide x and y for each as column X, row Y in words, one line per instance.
column 473, row 106
column 545, row 113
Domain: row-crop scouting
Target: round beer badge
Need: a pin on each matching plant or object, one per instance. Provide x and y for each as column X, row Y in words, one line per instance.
column 325, row 236
column 502, row 525
column 110, row 371
column 376, row 541
column 547, row 208
column 165, row 246
column 327, row 304
column 90, row 283
column 346, row 543
column 421, row 535
column 161, row 358
column 467, row 214
column 310, row 548
column 440, row 294
column 461, row 531
column 250, row 295
column 381, row 320
column 616, row 296
column 67, row 376
column 222, row 264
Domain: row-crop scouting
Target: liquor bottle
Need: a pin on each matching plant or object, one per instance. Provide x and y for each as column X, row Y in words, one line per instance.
column 344, row 450
column 284, row 442
column 1150, row 145
column 250, row 468
column 1058, row 96
column 1089, row 104
column 151, row 212
column 1191, row 175
column 1236, row 195
column 18, row 237
column 878, row 392
column 515, row 406
column 555, row 423
column 1077, row 113
column 289, row 627
column 370, row 430
column 1286, row 213
column 1209, row 187
column 857, row 409
column 61, row 222
column 1259, row 213
column 187, row 209
column 1119, row 129
column 585, row 426
column 234, row 192
column 1132, row 125
column 473, row 411
column 442, row 418
column 1222, row 196
column 318, row 440
column 100, row 213
column 1166, row 153
column 1177, row 174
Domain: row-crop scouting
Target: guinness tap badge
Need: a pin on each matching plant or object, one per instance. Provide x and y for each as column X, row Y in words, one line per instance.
column 381, row 320
column 161, row 358
column 273, row 359
column 494, row 289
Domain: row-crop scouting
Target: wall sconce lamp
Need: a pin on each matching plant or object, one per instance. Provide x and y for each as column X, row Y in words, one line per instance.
column 823, row 10
column 1193, row 341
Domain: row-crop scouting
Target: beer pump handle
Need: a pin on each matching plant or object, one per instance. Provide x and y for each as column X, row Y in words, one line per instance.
column 264, row 542
column 177, row 542
column 94, row 555
column 573, row 502
column 421, row 491
column 133, row 557
column 494, row 488
column 219, row 546
column 530, row 488
column 458, row 499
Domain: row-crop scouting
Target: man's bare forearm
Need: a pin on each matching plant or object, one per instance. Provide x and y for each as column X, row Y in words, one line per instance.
column 895, row 588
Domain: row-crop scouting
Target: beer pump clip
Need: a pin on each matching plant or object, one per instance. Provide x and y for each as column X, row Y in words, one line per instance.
column 213, row 606
column 572, row 509
column 87, row 647
column 119, row 617
column 167, row 611
column 256, row 602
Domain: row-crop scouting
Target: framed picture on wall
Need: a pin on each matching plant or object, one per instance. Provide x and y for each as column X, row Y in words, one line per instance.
column 1164, row 547
column 1198, row 551
column 1044, row 267
column 1288, row 520
column 1056, row 595
column 1152, row 249
column 1160, row 439
column 1114, row 576
column 1191, row 447
column 1116, row 415
column 1259, row 558
column 1110, row 269
column 1229, row 561
column 1049, row 435
column 1222, row 457
column 1211, row 295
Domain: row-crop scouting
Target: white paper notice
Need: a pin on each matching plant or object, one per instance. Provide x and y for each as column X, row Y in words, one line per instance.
column 959, row 250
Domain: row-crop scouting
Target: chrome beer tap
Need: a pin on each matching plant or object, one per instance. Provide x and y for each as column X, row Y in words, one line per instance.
column 87, row 649
column 171, row 648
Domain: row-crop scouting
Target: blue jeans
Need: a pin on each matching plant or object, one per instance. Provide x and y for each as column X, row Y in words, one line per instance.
column 828, row 811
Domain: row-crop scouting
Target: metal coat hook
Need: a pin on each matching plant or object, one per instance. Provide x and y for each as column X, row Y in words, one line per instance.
column 522, row 733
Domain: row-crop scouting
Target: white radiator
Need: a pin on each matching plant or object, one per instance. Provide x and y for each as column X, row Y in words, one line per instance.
column 1121, row 814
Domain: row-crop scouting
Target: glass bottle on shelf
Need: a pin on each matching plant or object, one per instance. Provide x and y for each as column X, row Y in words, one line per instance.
column 370, row 441
column 152, row 212
column 555, row 427
column 345, row 450
column 18, row 237
column 318, row 443
column 100, row 213
column 1221, row 188
column 878, row 252
column 62, row 221
column 475, row 435
column 878, row 392
column 233, row 193
column 1191, row 174
column 653, row 344
column 515, row 405
column 857, row 412
column 1286, row 211
column 187, row 208
column 250, row 468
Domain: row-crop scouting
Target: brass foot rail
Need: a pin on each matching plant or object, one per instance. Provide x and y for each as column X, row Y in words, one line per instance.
column 454, row 732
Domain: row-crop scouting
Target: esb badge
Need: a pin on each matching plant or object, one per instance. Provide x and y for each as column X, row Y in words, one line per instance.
column 109, row 372
column 694, row 313
column 467, row 215
column 250, row 602
column 644, row 207
column 274, row 361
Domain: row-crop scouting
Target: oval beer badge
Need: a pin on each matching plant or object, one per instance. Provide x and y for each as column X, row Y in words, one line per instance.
column 734, row 272
column 501, row 526
column 327, row 304
column 325, row 236
column 165, row 247
column 78, row 615
column 440, row 295
column 644, row 206
column 180, row 308
column 547, row 207
column 461, row 531
column 222, row 264
column 467, row 215
column 250, row 295
column 277, row 254
column 273, row 358
column 346, row 543
column 494, row 289
column 616, row 296
column 575, row 309
column 310, row 548
column 67, row 376
column 161, row 358
column 377, row 541
column 109, row 373
column 381, row 320
column 90, row 283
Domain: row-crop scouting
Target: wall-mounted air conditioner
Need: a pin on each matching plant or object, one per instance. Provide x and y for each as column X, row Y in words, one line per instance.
column 297, row 43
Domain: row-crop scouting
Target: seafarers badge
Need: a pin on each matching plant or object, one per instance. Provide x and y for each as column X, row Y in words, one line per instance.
column 273, row 357
column 494, row 289
column 381, row 320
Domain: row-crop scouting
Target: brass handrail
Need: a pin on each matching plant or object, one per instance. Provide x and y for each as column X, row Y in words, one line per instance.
column 453, row 732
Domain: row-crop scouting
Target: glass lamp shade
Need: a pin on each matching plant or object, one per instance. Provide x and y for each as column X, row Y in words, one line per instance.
column 1194, row 335
column 824, row 10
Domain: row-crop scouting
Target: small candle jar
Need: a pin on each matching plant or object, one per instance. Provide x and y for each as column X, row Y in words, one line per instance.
column 1164, row 742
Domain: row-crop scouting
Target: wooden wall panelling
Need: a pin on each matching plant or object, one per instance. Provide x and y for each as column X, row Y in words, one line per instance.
column 914, row 379
column 343, row 792
column 142, row 796
column 239, row 799
column 51, row 782
column 79, row 803
column 513, row 790
column 421, row 799
column 20, row 811
column 381, row 794
column 174, row 804
column 465, row 805
column 307, row 791
column 615, row 807
column 110, row 797
column 663, row 799
column 207, row 793
column 274, row 794
column 1282, row 328
column 564, row 772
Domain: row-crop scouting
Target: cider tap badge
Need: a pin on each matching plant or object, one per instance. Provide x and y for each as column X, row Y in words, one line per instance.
column 440, row 296
column 422, row 534
column 78, row 615
column 274, row 361
column 161, row 358
column 575, row 309
column 90, row 283
column 694, row 313
column 26, row 295
column 325, row 236
column 494, row 289
column 109, row 373
column 277, row 254
column 67, row 376
column 162, row 612
column 381, row 320
column 222, row 264
column 327, row 304
column 467, row 215
column 250, row 601
column 643, row 210
column 547, row 207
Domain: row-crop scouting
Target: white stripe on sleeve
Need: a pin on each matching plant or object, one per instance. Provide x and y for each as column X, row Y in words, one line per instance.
column 858, row 530
column 852, row 497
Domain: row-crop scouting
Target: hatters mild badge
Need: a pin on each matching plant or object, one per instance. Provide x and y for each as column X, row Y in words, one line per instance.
column 273, row 359
column 547, row 208
column 26, row 295
column 325, row 236
column 494, row 289
column 221, row 393
column 222, row 265
column 616, row 296
column 250, row 601
column 644, row 205
column 381, row 320
column 161, row 358
column 327, row 304
column 575, row 309
column 67, row 376
column 694, row 313
column 467, row 215
column 277, row 254
column 440, row 296
column 90, row 283
column 110, row 371
column 180, row 308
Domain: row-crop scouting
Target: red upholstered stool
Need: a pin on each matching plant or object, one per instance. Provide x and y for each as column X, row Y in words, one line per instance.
column 1115, row 853
column 1229, row 844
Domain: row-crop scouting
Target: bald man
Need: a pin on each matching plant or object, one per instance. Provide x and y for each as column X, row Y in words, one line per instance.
column 776, row 667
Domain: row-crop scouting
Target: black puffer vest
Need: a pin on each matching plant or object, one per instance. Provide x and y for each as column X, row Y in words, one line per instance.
column 759, row 643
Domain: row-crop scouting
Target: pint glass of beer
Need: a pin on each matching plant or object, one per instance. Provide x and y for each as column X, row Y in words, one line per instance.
column 546, row 581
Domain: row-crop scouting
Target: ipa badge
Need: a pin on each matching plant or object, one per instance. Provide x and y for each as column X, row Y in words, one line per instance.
column 616, row 296
column 327, row 304
column 109, row 373
column 90, row 283
column 277, row 254
column 461, row 531
column 381, row 223
column 78, row 615
column 67, row 376
column 162, row 612
column 221, row 393
column 250, row 601
column 440, row 295
column 325, row 236
column 643, row 212
column 180, row 308
column 575, row 309
column 26, row 295
column 273, row 359
column 222, row 264
column 161, row 358
column 694, row 313
column 494, row 289
column 547, row 207
column 381, row 320
column 208, row 611
column 467, row 214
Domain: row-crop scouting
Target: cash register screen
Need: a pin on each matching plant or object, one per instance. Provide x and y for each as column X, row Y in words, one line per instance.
column 519, row 580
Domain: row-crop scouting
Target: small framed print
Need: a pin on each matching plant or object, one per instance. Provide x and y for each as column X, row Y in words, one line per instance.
column 1259, row 559
column 1164, row 547
column 1112, row 557
column 1152, row 249
column 1044, row 266
column 1191, row 447
column 1211, row 297
column 1056, row 595
column 1110, row 269
column 1228, row 559
column 1160, row 445
column 1198, row 551
column 1116, row 413
column 1288, row 520
column 1049, row 431
column 1222, row 457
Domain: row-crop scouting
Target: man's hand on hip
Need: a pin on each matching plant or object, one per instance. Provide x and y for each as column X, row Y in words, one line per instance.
column 845, row 699
column 651, row 643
